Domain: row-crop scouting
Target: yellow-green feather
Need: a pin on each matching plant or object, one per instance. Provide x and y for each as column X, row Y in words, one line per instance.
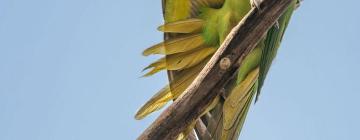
column 192, row 25
column 177, row 45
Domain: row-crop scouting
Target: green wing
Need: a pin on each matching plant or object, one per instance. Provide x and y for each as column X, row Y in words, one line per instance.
column 272, row 43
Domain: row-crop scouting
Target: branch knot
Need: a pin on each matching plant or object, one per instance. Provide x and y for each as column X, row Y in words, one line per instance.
column 225, row 63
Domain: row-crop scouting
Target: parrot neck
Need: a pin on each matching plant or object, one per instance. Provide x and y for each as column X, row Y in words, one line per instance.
column 237, row 5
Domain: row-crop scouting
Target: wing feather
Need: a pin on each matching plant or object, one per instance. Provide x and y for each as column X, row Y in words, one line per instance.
column 183, row 26
column 176, row 45
column 271, row 45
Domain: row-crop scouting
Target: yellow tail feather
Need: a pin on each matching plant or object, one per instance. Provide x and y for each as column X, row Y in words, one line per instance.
column 183, row 26
column 234, row 132
column 176, row 45
column 186, row 77
column 156, row 67
column 237, row 105
column 236, row 100
column 155, row 103
column 176, row 10
column 188, row 59
column 166, row 94
column 181, row 61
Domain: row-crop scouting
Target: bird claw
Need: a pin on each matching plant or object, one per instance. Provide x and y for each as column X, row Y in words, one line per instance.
column 256, row 3
column 277, row 26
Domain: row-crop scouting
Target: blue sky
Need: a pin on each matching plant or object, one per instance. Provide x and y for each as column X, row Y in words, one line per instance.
column 69, row 70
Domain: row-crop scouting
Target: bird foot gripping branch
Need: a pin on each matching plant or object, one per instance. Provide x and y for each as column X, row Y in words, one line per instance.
column 256, row 3
column 213, row 48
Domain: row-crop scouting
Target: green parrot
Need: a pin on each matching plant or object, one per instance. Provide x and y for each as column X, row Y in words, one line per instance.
column 193, row 31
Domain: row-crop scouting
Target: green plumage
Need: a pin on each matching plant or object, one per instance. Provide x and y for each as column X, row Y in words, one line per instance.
column 194, row 30
column 272, row 44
